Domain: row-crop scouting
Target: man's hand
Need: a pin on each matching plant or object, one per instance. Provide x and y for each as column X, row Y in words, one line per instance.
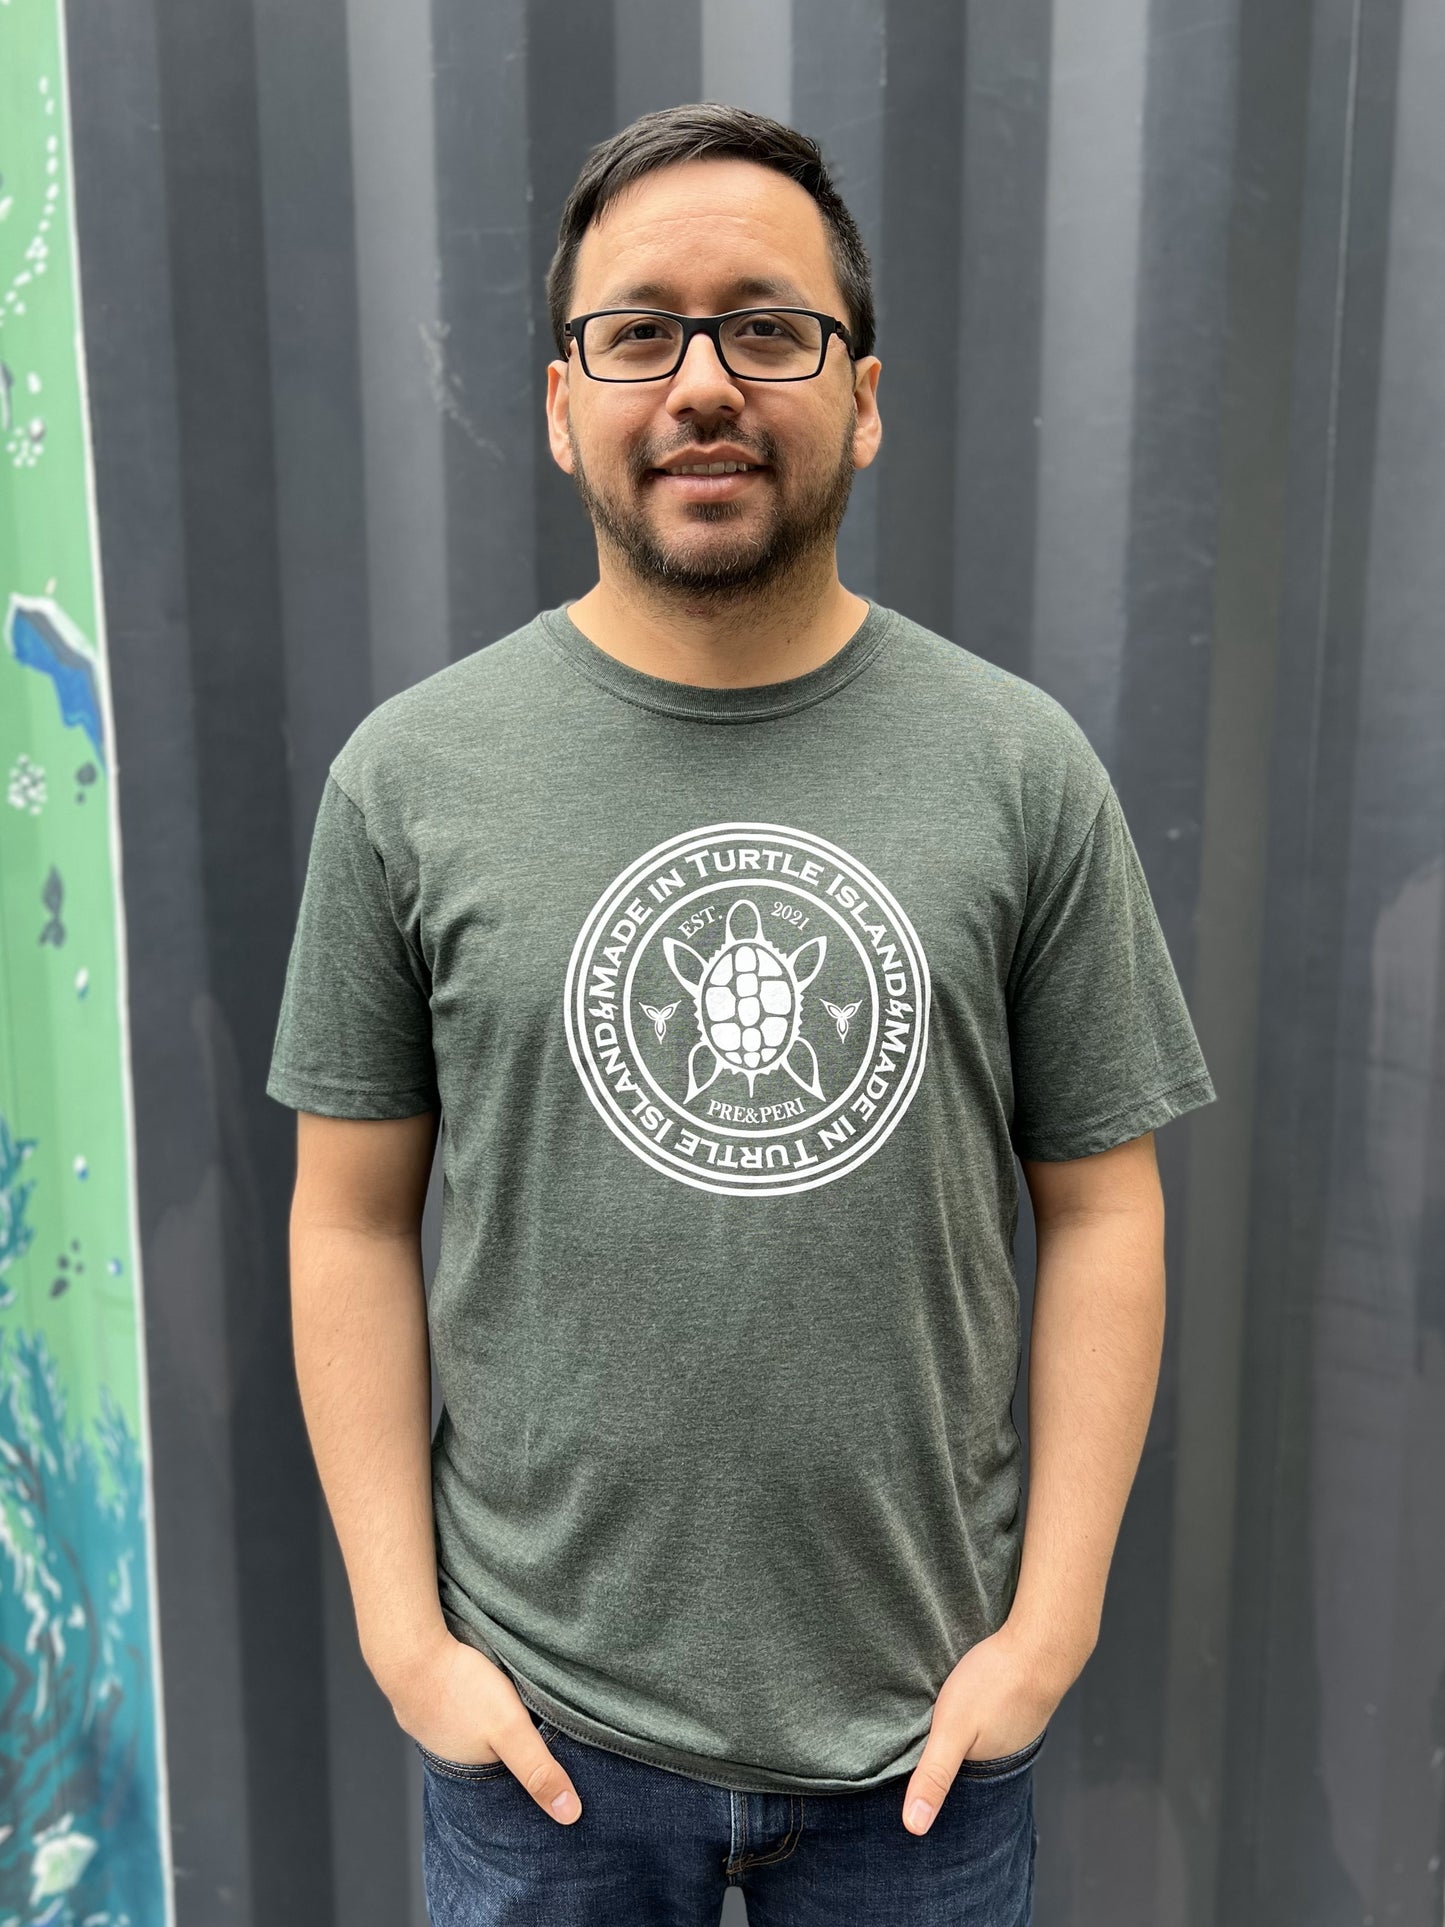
column 457, row 1704
column 998, row 1697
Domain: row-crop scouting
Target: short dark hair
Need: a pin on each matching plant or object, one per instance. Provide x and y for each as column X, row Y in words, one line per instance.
column 705, row 130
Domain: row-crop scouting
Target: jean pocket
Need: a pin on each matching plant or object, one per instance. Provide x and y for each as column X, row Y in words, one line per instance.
column 1005, row 1764
column 479, row 1769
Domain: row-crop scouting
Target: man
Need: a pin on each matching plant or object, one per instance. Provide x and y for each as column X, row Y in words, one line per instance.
column 742, row 931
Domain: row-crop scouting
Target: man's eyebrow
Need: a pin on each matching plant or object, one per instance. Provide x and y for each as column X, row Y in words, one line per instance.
column 659, row 294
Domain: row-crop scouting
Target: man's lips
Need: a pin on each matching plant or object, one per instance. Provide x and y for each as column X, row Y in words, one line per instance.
column 707, row 488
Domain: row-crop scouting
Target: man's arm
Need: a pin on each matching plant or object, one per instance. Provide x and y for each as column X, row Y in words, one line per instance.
column 1097, row 1336
column 363, row 1366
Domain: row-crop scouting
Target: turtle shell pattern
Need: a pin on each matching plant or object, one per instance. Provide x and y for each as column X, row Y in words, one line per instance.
column 749, row 999
column 748, row 1005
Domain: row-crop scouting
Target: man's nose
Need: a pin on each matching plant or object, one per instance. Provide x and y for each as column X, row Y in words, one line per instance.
column 702, row 382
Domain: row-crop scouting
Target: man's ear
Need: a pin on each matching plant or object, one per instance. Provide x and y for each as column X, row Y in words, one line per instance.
column 558, row 415
column 869, row 432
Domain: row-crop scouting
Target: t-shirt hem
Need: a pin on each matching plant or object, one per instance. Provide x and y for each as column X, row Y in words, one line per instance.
column 691, row 1766
column 1148, row 1114
column 325, row 1100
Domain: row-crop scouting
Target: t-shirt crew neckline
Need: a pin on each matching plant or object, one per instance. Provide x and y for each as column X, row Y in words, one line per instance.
column 706, row 705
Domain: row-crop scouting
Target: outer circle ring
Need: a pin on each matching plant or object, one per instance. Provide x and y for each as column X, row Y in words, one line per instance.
column 774, row 1183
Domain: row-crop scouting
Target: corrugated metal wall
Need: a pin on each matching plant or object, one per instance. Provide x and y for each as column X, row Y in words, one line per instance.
column 1161, row 286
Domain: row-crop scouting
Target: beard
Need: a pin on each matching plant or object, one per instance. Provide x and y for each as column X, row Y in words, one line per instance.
column 763, row 551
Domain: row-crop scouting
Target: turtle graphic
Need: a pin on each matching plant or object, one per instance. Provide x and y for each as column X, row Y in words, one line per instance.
column 748, row 997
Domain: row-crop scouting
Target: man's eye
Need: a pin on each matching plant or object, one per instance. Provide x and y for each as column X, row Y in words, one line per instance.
column 770, row 328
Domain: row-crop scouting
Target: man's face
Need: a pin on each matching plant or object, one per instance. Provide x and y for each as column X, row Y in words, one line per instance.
column 701, row 237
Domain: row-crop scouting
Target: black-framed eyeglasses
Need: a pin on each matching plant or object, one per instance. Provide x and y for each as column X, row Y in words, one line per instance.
column 753, row 344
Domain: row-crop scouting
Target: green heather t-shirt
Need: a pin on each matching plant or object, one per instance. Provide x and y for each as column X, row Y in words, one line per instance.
column 737, row 1004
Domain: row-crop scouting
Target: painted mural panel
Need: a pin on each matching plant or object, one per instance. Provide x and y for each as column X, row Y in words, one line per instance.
column 82, row 1833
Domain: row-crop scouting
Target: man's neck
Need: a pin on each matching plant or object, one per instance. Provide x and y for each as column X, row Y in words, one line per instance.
column 743, row 646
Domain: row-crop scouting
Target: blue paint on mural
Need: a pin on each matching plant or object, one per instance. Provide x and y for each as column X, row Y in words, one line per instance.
column 37, row 638
column 15, row 1233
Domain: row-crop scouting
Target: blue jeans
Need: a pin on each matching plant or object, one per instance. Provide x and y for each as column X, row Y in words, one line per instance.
column 654, row 1848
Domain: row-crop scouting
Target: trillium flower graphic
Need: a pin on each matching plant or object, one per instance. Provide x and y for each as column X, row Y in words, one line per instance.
column 841, row 1014
column 659, row 1018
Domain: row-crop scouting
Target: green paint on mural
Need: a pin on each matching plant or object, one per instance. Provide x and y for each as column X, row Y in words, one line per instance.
column 63, row 1086
column 83, row 1832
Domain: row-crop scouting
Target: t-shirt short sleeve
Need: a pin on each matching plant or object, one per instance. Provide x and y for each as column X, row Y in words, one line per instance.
column 354, row 1034
column 1101, row 1040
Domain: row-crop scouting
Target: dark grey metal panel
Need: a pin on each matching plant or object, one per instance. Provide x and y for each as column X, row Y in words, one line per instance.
column 308, row 286
column 747, row 55
column 1283, row 1856
column 838, row 71
column 391, row 87
column 1226, row 907
column 1000, row 331
column 570, row 83
column 917, row 276
column 1147, row 704
column 235, row 657
column 491, row 324
column 658, row 56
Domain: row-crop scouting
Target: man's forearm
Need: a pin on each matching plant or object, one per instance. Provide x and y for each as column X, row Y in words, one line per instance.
column 358, row 1310
column 1098, row 1328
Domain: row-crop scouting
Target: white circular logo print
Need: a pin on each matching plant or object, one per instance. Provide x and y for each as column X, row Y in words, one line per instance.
column 747, row 1006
